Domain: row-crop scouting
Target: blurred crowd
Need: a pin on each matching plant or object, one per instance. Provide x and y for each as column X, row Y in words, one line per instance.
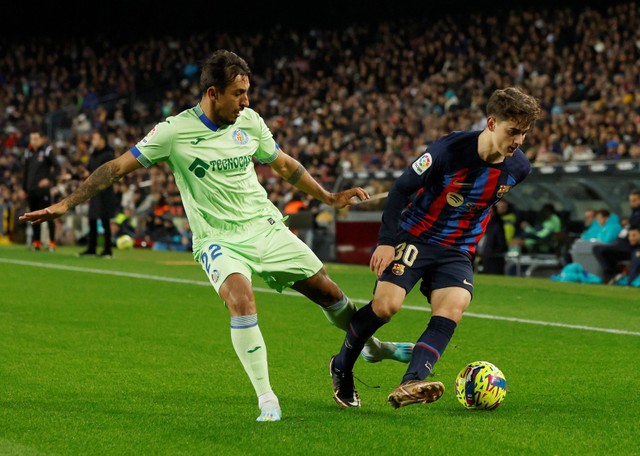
column 361, row 97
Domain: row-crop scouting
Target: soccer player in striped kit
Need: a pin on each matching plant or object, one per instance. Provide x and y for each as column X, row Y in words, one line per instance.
column 435, row 214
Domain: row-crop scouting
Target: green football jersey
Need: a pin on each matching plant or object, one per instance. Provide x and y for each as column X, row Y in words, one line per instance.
column 213, row 168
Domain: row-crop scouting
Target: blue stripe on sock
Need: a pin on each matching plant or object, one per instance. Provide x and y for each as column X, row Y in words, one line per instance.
column 244, row 321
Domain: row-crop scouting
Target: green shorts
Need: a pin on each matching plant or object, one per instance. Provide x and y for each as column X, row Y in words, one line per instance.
column 270, row 251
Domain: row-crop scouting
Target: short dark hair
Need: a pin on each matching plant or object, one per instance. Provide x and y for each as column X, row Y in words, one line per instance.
column 221, row 68
column 104, row 134
column 36, row 129
column 513, row 104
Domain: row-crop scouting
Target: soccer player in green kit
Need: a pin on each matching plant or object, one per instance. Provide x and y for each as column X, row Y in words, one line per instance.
column 237, row 231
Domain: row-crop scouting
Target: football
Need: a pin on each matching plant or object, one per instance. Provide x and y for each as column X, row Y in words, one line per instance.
column 125, row 242
column 481, row 385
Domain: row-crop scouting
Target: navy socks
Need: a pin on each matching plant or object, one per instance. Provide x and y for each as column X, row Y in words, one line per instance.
column 362, row 326
column 429, row 348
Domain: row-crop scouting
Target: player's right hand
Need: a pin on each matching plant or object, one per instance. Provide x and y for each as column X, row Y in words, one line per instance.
column 382, row 257
column 349, row 197
column 43, row 215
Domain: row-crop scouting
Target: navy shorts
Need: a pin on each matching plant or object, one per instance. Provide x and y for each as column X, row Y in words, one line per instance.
column 438, row 266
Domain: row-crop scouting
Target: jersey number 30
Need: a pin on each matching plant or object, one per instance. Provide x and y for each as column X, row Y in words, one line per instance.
column 408, row 253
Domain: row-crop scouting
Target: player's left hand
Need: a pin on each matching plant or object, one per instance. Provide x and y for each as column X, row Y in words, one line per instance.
column 382, row 257
column 349, row 197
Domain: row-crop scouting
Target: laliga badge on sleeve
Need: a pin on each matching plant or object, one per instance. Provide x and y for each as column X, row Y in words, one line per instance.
column 422, row 164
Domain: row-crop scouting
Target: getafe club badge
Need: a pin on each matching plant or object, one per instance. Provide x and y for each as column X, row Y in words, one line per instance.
column 215, row 275
column 240, row 136
column 502, row 190
column 422, row 164
column 398, row 269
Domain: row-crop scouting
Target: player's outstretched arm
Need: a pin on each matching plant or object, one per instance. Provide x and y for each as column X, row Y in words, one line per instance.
column 103, row 177
column 293, row 172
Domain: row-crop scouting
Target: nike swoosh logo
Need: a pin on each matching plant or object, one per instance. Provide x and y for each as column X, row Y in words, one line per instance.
column 254, row 349
column 466, row 282
column 462, row 184
column 197, row 140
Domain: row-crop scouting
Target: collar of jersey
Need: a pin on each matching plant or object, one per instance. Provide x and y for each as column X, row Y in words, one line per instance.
column 204, row 119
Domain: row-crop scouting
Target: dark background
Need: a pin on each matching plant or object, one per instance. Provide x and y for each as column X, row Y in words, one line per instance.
column 128, row 18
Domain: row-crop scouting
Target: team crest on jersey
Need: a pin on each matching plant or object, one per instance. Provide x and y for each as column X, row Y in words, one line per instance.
column 149, row 135
column 215, row 275
column 422, row 164
column 240, row 136
column 455, row 199
column 502, row 190
column 398, row 269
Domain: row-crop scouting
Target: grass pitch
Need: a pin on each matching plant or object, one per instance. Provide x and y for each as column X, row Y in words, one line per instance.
column 133, row 356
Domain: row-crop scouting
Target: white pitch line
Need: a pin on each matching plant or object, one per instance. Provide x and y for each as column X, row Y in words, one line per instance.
column 538, row 322
column 103, row 272
column 291, row 293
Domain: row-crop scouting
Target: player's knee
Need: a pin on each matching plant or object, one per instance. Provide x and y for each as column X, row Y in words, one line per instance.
column 451, row 310
column 386, row 309
column 454, row 314
column 238, row 296
column 240, row 307
column 240, row 302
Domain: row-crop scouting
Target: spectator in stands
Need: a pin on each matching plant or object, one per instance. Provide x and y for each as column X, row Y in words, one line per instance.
column 6, row 214
column 573, row 98
column 366, row 114
column 612, row 150
column 548, row 152
column 41, row 170
column 295, row 204
column 630, row 275
column 186, row 236
column 610, row 255
column 607, row 227
column 602, row 227
column 103, row 205
column 509, row 219
column 165, row 235
column 541, row 237
column 590, row 227
column 298, row 205
column 121, row 225
column 633, row 275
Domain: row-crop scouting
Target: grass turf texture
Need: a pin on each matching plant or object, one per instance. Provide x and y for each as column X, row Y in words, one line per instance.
column 97, row 363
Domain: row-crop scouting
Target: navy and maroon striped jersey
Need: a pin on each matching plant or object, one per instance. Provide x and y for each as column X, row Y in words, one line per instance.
column 445, row 196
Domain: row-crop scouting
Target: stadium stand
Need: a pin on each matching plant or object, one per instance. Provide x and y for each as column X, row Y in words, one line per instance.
column 358, row 100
